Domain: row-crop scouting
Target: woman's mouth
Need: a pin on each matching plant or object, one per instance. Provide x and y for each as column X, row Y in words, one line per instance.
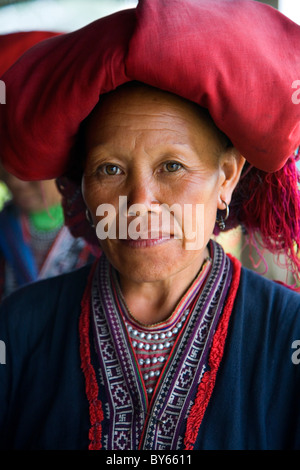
column 148, row 242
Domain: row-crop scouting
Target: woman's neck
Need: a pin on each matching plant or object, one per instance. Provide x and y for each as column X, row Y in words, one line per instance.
column 153, row 302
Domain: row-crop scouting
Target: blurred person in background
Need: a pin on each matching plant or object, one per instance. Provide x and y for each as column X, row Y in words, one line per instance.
column 34, row 243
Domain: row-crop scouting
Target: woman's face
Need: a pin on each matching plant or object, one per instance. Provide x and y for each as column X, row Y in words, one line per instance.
column 156, row 150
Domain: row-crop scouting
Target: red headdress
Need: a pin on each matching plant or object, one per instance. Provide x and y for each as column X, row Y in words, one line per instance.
column 13, row 45
column 240, row 59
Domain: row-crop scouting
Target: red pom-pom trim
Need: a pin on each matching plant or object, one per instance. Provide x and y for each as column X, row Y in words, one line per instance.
column 92, row 390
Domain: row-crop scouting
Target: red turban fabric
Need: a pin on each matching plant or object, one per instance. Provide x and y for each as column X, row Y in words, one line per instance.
column 13, row 45
column 238, row 58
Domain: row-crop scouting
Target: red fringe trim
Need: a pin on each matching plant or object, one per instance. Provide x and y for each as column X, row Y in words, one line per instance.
column 95, row 405
column 207, row 383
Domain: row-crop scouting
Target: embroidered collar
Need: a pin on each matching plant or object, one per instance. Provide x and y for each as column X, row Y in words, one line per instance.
column 121, row 415
column 153, row 344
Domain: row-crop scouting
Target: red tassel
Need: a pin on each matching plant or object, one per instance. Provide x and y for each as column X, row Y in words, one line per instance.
column 277, row 202
column 267, row 205
column 207, row 383
column 92, row 390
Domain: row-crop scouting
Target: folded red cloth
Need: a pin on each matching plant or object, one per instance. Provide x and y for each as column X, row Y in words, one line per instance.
column 13, row 45
column 238, row 58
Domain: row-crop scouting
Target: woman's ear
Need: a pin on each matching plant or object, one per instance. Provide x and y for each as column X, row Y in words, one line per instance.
column 231, row 164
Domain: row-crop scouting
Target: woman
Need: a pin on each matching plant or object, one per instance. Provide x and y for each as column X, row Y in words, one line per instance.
column 165, row 342
column 34, row 243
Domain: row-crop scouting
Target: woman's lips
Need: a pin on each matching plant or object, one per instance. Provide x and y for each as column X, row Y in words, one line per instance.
column 146, row 242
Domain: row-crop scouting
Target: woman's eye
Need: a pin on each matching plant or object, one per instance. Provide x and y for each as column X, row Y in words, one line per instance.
column 171, row 167
column 110, row 170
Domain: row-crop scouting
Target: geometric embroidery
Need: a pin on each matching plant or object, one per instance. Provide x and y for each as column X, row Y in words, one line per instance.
column 133, row 423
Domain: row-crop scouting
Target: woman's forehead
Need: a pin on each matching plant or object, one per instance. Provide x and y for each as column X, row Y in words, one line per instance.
column 139, row 107
column 141, row 99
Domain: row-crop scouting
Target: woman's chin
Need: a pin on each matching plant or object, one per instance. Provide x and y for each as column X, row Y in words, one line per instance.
column 149, row 260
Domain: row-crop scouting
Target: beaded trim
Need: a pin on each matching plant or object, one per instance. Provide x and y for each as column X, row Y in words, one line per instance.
column 153, row 349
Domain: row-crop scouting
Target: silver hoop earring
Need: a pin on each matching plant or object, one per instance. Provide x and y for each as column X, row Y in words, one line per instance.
column 89, row 218
column 221, row 220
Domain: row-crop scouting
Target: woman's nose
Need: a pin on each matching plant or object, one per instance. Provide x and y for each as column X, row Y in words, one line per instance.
column 142, row 191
